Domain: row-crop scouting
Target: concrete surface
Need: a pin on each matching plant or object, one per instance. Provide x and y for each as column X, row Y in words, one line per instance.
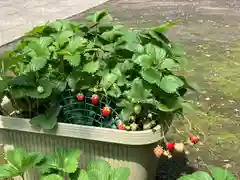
column 19, row 16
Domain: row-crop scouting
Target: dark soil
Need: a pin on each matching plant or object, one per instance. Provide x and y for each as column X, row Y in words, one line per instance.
column 210, row 35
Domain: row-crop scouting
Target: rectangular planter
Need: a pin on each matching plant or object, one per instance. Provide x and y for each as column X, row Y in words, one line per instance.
column 119, row 148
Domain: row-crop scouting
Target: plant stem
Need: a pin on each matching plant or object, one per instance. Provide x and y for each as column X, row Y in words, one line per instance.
column 22, row 176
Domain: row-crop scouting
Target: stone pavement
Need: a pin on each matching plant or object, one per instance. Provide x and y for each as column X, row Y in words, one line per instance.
column 19, row 16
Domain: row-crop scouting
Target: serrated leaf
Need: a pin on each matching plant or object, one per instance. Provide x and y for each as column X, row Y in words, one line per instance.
column 38, row 48
column 138, row 92
column 171, row 83
column 170, row 64
column 200, row 175
column 98, row 170
column 108, row 79
column 37, row 63
column 52, row 177
column 64, row 36
column 76, row 43
column 83, row 175
column 32, row 92
column 7, row 171
column 111, row 36
column 59, row 85
column 47, row 120
column 157, row 53
column 57, row 25
column 19, row 161
column 114, row 91
column 126, row 113
column 67, row 159
column 36, row 30
column 165, row 27
column 73, row 60
column 158, row 105
column 91, row 67
column 220, row 173
column 152, row 76
column 119, row 174
column 144, row 60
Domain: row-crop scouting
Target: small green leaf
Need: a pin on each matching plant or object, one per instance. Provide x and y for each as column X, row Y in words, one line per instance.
column 144, row 60
column 47, row 120
column 170, row 64
column 91, row 67
column 220, row 173
column 98, row 16
column 200, row 175
column 57, row 25
column 36, row 30
column 108, row 80
column 67, row 159
column 19, row 161
column 73, row 60
column 166, row 26
column 52, row 177
column 37, row 63
column 152, row 76
column 76, row 43
column 59, row 84
column 126, row 113
column 158, row 105
column 83, row 175
column 138, row 92
column 155, row 52
column 8, row 171
column 38, row 48
column 64, row 36
column 98, row 170
column 120, row 174
column 114, row 91
column 111, row 36
column 171, row 83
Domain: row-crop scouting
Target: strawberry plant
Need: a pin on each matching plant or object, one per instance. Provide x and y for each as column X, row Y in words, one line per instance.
column 59, row 166
column 216, row 173
column 135, row 71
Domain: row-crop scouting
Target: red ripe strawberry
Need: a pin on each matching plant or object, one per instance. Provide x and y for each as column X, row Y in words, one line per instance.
column 171, row 146
column 194, row 139
column 95, row 99
column 106, row 111
column 121, row 127
column 80, row 97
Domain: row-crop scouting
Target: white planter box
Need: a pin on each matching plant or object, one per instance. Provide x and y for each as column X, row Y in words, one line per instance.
column 119, row 148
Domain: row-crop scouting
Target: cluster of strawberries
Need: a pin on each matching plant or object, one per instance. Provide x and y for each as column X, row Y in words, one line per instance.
column 177, row 147
column 106, row 111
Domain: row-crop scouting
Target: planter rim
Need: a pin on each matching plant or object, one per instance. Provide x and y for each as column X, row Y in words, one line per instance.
column 85, row 132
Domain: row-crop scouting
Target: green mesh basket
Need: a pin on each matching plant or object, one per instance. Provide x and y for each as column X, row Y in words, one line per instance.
column 84, row 112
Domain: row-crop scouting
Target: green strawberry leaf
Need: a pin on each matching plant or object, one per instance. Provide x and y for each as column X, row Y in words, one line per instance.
column 120, row 174
column 171, row 83
column 200, row 175
column 151, row 75
column 83, row 175
column 64, row 36
column 220, row 173
column 64, row 159
column 47, row 120
column 170, row 64
column 37, row 63
column 157, row 53
column 8, row 171
column 91, row 67
column 138, row 92
column 108, row 79
column 144, row 60
column 100, row 16
column 18, row 162
column 98, row 170
column 74, row 60
column 165, row 27
column 52, row 177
